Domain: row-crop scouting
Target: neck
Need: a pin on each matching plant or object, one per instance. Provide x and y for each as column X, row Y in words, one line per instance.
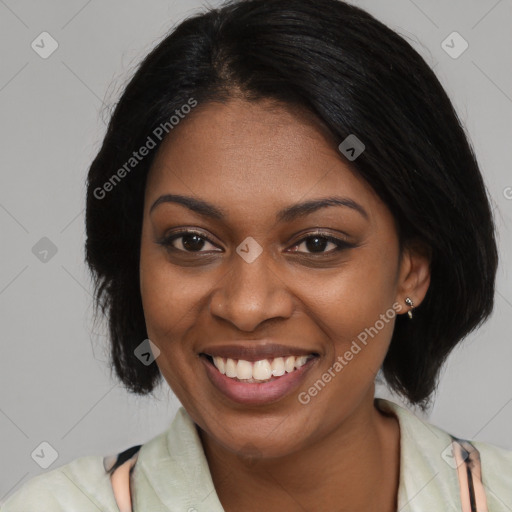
column 354, row 468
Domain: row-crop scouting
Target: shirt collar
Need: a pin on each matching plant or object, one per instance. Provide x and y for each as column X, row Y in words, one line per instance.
column 172, row 471
column 427, row 480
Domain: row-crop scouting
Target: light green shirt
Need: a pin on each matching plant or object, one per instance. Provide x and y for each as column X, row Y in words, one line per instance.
column 171, row 474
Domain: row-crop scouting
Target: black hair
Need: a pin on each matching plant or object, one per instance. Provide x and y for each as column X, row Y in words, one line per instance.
column 355, row 75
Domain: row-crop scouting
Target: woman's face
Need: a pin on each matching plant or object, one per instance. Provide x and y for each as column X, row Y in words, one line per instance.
column 257, row 284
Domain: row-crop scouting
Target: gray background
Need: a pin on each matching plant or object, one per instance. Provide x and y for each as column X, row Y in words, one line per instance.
column 55, row 385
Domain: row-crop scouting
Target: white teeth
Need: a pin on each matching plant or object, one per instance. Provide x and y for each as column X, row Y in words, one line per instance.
column 219, row 363
column 300, row 361
column 243, row 369
column 259, row 370
column 230, row 368
column 278, row 367
column 289, row 364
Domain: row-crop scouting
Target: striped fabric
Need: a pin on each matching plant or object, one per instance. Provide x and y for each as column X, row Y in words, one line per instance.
column 120, row 468
column 472, row 493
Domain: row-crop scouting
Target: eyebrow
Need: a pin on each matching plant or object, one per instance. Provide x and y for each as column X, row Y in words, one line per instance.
column 287, row 214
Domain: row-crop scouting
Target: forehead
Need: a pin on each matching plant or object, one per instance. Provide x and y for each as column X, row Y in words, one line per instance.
column 258, row 154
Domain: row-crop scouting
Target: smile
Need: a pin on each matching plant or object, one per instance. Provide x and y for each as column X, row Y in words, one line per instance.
column 258, row 371
column 257, row 382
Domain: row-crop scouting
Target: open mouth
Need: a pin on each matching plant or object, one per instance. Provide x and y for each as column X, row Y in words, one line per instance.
column 264, row 370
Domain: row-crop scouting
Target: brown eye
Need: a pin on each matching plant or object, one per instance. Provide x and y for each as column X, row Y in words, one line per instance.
column 187, row 241
column 316, row 244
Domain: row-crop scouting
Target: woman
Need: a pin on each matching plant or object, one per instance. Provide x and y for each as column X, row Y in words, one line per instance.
column 284, row 203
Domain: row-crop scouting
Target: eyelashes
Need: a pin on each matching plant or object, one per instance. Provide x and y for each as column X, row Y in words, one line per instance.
column 193, row 242
column 338, row 243
column 191, row 234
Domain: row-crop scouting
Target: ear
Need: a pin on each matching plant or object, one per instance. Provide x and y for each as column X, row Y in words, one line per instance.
column 414, row 274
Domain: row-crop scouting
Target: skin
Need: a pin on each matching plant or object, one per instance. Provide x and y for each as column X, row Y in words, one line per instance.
column 338, row 452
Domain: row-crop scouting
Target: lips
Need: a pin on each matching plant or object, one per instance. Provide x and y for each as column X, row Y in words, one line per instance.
column 256, row 374
column 255, row 352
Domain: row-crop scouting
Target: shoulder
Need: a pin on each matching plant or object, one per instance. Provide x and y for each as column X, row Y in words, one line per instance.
column 85, row 483
column 430, row 452
column 494, row 454
column 492, row 465
column 496, row 467
column 82, row 484
column 495, row 462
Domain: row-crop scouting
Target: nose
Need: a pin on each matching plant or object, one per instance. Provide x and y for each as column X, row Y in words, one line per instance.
column 251, row 293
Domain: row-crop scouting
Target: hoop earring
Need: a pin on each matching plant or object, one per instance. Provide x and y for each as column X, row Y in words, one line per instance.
column 410, row 303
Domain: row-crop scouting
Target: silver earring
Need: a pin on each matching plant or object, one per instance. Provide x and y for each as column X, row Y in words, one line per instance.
column 410, row 303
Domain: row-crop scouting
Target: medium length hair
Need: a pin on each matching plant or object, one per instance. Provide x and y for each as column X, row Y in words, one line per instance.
column 356, row 76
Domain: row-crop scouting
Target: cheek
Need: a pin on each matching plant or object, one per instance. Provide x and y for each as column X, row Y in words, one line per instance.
column 356, row 303
column 165, row 298
column 168, row 303
column 172, row 299
column 170, row 306
column 168, row 297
